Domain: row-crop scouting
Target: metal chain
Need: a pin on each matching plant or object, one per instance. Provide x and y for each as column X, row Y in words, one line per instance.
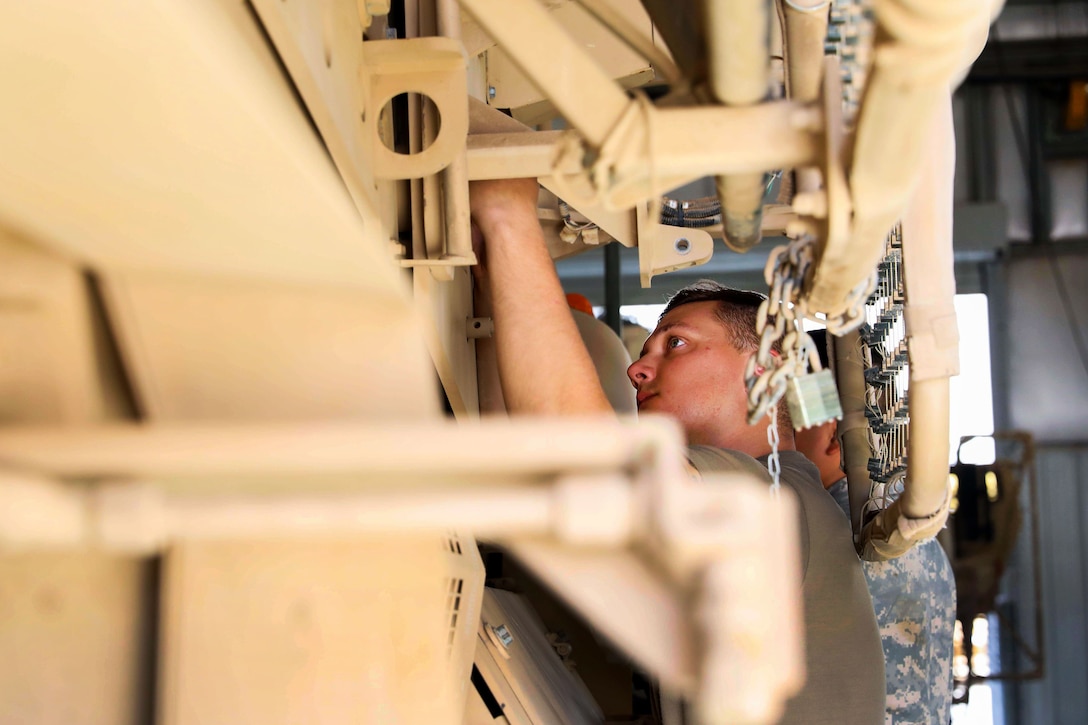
column 780, row 319
column 774, row 463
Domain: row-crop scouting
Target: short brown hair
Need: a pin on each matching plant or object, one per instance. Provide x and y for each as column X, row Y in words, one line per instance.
column 737, row 309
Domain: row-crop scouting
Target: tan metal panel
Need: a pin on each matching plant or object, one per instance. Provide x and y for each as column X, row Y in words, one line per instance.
column 320, row 43
column 74, row 632
column 216, row 348
column 514, row 90
column 306, row 632
column 165, row 135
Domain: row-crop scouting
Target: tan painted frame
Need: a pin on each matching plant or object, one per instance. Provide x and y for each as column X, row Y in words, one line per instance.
column 607, row 512
column 276, row 214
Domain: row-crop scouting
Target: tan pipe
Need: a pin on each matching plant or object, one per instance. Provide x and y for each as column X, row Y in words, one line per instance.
column 853, row 429
column 933, row 339
column 926, row 487
column 805, row 30
column 737, row 34
column 932, row 332
column 737, row 50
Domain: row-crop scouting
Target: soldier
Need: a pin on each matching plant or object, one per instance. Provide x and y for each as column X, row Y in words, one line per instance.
column 914, row 598
column 691, row 368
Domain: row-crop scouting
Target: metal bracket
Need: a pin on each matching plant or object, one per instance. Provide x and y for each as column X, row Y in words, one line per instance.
column 663, row 248
column 434, row 67
column 479, row 327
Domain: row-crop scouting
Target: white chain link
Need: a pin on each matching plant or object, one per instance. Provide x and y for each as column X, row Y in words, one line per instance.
column 774, row 463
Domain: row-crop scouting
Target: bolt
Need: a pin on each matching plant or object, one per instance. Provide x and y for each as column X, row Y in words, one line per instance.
column 491, row 92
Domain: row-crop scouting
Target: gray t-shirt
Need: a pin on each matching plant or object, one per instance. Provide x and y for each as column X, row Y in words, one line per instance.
column 844, row 663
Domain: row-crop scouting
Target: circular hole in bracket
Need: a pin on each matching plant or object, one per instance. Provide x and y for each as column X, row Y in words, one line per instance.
column 682, row 245
column 393, row 121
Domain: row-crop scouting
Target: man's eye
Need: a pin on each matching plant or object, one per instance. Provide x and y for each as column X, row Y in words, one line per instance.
column 674, row 342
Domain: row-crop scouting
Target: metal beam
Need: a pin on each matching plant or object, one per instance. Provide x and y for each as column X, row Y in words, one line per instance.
column 513, row 155
column 588, row 99
column 1038, row 177
column 613, row 297
column 982, row 148
column 1017, row 61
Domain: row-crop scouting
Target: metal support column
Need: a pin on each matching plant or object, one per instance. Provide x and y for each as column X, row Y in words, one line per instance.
column 981, row 147
column 1038, row 179
column 612, row 293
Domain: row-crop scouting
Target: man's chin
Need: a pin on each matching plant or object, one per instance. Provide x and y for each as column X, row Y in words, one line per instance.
column 653, row 405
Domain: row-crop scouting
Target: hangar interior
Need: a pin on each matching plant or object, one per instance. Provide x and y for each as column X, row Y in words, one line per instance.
column 244, row 384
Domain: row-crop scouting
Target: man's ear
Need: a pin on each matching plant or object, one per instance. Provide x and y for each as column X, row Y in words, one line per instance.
column 833, row 448
column 759, row 368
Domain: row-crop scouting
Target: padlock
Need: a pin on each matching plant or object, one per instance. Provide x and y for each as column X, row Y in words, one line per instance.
column 813, row 399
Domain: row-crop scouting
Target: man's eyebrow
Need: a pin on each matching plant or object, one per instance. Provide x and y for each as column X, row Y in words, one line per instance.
column 662, row 330
column 672, row 326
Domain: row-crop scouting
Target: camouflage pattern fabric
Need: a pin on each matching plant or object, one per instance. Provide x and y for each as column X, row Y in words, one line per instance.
column 914, row 598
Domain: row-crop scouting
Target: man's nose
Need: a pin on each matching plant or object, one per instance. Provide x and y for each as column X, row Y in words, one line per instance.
column 640, row 372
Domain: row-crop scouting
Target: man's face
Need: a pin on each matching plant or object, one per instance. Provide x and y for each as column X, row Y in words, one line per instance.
column 819, row 445
column 689, row 369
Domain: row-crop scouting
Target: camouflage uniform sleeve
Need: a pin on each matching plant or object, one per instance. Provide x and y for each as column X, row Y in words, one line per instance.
column 914, row 598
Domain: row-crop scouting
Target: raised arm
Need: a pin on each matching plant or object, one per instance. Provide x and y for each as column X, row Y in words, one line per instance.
column 543, row 363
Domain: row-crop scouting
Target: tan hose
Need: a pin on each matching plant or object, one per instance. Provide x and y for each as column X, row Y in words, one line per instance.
column 932, row 333
column 926, row 487
column 933, row 340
